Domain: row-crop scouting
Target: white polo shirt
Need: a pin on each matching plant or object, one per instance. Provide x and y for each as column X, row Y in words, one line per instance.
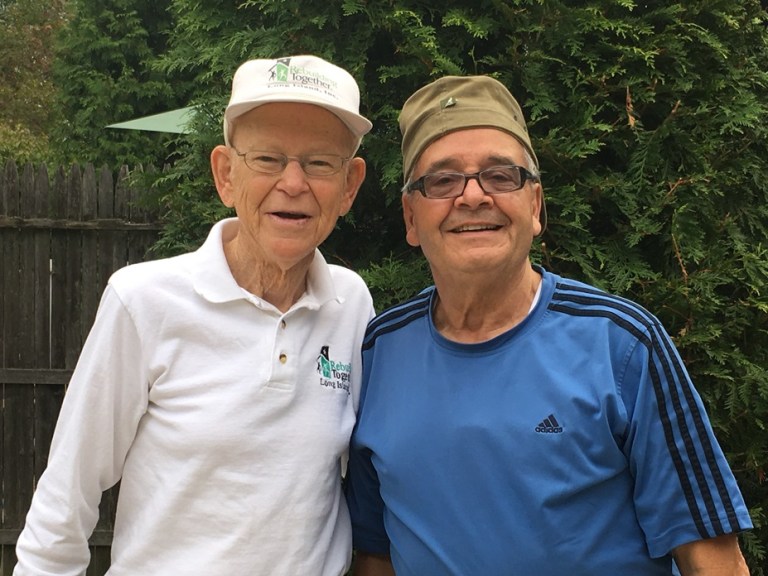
column 225, row 420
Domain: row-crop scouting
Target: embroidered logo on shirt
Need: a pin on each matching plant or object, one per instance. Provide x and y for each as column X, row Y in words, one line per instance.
column 549, row 425
column 333, row 374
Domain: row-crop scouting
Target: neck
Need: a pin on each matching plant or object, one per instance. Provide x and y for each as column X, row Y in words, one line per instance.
column 478, row 309
column 280, row 287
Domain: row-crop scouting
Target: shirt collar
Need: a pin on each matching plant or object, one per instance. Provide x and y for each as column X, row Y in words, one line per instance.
column 213, row 279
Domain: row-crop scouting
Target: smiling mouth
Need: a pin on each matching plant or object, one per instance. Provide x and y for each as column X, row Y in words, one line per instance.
column 290, row 215
column 475, row 228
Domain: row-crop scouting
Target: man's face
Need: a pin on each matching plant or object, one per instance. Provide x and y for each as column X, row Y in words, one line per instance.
column 476, row 233
column 284, row 217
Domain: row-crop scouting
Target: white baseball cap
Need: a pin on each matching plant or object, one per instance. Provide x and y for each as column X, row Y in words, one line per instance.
column 304, row 79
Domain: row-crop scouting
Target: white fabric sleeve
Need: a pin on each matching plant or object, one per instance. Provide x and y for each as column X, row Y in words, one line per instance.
column 104, row 402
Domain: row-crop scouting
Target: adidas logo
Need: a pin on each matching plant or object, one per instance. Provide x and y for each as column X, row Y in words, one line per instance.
column 549, row 425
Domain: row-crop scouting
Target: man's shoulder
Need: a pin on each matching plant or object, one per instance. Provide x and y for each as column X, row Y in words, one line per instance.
column 349, row 285
column 346, row 277
column 161, row 272
column 575, row 298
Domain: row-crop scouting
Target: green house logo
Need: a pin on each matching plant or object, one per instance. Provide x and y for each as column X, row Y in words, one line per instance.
column 281, row 70
column 324, row 363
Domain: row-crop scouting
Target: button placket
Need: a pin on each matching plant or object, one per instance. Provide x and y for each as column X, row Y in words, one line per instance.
column 285, row 361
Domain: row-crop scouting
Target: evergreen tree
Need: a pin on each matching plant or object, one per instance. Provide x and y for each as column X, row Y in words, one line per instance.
column 104, row 75
column 26, row 88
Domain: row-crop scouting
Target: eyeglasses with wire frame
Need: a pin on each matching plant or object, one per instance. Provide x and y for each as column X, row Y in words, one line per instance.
column 493, row 180
column 266, row 162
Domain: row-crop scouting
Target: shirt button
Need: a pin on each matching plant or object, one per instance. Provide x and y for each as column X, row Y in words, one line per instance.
column 283, row 358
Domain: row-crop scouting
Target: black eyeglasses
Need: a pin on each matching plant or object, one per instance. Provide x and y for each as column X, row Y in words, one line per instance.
column 274, row 162
column 493, row 180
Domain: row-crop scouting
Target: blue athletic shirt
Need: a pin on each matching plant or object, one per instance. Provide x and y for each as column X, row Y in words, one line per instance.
column 572, row 444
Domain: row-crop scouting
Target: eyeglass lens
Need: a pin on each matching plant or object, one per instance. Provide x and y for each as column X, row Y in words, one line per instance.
column 494, row 180
column 311, row 164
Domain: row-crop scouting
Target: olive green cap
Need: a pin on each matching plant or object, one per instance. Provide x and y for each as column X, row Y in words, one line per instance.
column 457, row 103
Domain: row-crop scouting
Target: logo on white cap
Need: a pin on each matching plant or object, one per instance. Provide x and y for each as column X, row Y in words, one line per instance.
column 283, row 73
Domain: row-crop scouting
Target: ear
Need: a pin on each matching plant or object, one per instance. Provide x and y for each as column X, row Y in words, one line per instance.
column 221, row 167
column 352, row 182
column 537, row 202
column 411, row 232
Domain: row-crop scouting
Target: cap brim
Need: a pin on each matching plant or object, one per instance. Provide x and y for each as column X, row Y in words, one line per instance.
column 359, row 125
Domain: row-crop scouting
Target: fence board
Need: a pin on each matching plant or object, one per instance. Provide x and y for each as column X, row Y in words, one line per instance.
column 89, row 245
column 100, row 561
column 61, row 237
column 48, row 399
column 18, row 339
column 109, row 239
column 8, row 205
column 58, row 258
column 71, row 269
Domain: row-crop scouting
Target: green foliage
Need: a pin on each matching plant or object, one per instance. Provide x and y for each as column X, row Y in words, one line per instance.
column 648, row 120
column 186, row 191
column 26, row 88
column 21, row 144
column 394, row 280
column 104, row 75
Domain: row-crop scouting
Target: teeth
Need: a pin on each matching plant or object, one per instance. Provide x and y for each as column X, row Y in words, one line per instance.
column 475, row 228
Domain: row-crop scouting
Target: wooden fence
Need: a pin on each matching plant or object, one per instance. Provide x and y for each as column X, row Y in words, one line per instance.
column 62, row 234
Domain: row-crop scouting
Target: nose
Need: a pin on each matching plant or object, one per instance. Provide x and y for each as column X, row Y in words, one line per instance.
column 292, row 178
column 473, row 194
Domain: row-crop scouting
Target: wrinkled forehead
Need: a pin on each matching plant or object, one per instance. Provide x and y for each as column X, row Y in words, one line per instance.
column 470, row 148
column 278, row 122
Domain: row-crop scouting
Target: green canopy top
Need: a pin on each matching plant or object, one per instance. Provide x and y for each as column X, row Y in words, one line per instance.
column 174, row 121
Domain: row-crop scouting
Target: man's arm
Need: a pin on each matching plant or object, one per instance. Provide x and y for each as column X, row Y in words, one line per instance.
column 372, row 565
column 719, row 556
column 102, row 407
